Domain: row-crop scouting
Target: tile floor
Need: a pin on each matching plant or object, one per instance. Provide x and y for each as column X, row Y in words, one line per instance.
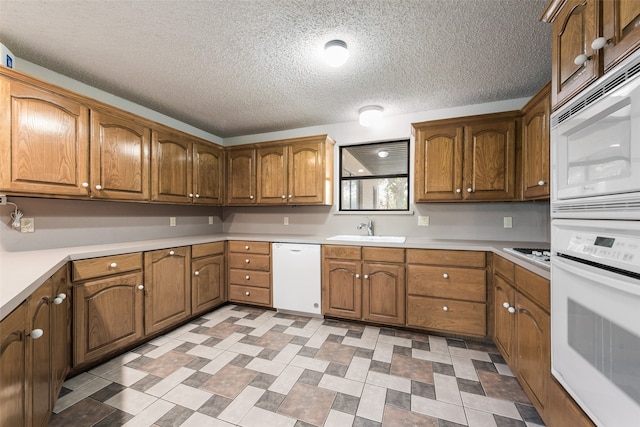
column 252, row 367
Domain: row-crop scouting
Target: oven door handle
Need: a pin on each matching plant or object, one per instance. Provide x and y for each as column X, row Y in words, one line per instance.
column 588, row 272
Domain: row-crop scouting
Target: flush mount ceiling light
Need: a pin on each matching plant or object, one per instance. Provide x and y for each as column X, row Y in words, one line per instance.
column 370, row 115
column 383, row 153
column 335, row 53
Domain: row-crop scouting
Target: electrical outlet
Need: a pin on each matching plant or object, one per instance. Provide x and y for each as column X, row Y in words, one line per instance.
column 27, row 225
column 423, row 221
column 3, row 200
column 172, row 221
column 286, row 220
column 210, row 220
column 508, row 222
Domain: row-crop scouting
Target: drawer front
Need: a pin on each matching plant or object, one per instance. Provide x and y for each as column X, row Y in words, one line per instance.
column 249, row 247
column 383, row 254
column 250, row 262
column 535, row 287
column 441, row 257
column 207, row 249
column 261, row 279
column 341, row 252
column 249, row 295
column 106, row 266
column 504, row 267
column 459, row 317
column 447, row 282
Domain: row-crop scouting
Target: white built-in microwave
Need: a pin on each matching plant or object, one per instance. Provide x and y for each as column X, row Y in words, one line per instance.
column 595, row 140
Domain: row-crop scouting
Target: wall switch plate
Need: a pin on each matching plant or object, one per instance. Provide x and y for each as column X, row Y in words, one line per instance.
column 423, row 221
column 3, row 200
column 210, row 220
column 508, row 222
column 172, row 221
column 27, row 225
column 286, row 220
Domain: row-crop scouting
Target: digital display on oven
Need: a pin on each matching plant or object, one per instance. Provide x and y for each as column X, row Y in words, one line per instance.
column 607, row 242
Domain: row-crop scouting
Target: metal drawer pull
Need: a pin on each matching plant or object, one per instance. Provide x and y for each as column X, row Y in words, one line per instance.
column 247, row 293
column 247, row 260
column 247, row 277
column 246, row 247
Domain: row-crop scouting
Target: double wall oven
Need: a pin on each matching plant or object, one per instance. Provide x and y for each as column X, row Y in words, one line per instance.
column 595, row 246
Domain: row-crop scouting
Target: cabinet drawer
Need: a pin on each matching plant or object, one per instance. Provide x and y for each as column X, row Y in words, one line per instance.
column 207, row 249
column 260, row 279
column 341, row 252
column 465, row 318
column 535, row 287
column 250, row 247
column 250, row 262
column 440, row 257
column 382, row 254
column 249, row 294
column 447, row 282
column 106, row 266
column 504, row 267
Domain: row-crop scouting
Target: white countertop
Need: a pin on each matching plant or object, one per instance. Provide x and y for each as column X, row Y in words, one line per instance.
column 21, row 273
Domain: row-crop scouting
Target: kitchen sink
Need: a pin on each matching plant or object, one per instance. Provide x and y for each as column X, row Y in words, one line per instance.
column 361, row 238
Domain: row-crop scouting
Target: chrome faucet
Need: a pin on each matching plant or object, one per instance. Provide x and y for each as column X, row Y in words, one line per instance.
column 368, row 226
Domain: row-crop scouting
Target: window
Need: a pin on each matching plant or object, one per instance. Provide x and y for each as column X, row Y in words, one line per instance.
column 375, row 177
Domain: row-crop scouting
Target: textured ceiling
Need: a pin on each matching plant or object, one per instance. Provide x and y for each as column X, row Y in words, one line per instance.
column 239, row 67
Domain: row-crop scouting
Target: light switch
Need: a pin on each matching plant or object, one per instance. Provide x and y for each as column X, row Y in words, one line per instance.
column 423, row 221
column 210, row 220
column 172, row 221
column 508, row 222
column 286, row 220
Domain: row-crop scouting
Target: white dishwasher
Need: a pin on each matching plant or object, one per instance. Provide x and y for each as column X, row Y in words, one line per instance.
column 296, row 277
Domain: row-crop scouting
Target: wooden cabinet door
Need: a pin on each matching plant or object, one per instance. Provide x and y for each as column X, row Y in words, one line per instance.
column 241, row 177
column 573, row 30
column 13, row 368
column 107, row 316
column 171, row 168
column 383, row 293
column 489, row 159
column 45, row 142
column 621, row 26
column 533, row 349
column 438, row 163
column 306, row 173
column 167, row 288
column 342, row 288
column 536, row 146
column 60, row 330
column 271, row 163
column 39, row 389
column 208, row 166
column 504, row 327
column 120, row 151
column 207, row 283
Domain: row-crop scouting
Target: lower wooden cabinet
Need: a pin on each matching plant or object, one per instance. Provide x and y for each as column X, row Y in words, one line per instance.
column 39, row 355
column 207, row 276
column 61, row 339
column 342, row 281
column 504, row 301
column 167, row 278
column 13, row 368
column 250, row 272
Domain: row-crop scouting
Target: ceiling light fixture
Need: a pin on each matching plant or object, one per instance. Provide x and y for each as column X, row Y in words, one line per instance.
column 371, row 115
column 383, row 153
column 335, row 53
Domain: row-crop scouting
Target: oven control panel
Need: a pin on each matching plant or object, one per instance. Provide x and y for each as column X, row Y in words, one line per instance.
column 624, row 250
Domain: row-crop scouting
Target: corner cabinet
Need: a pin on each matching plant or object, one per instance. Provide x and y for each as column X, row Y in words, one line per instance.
column 536, row 137
column 467, row 159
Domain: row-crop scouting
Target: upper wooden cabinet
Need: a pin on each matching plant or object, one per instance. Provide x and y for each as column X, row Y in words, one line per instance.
column 119, row 157
column 208, row 174
column 295, row 171
column 44, row 141
column 576, row 25
column 466, row 158
column 536, row 145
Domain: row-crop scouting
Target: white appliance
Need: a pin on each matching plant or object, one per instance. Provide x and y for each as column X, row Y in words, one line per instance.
column 595, row 317
column 595, row 159
column 296, row 277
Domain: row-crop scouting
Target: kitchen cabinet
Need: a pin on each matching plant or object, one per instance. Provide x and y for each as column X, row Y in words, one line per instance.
column 469, row 158
column 13, row 368
column 208, row 174
column 61, row 340
column 44, row 140
column 207, row 276
column 504, row 301
column 39, row 355
column 536, row 145
column 120, row 152
column 250, row 272
column 167, row 286
column 295, row 171
column 621, row 28
column 446, row 291
column 365, row 283
column 108, row 305
column 563, row 410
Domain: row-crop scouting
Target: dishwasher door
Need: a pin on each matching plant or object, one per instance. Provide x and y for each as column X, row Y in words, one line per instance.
column 296, row 277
